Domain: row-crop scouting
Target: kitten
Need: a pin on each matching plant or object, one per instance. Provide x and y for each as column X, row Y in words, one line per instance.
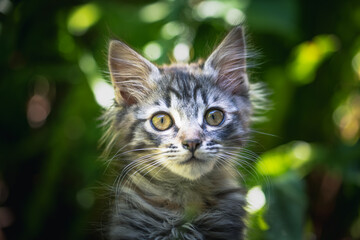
column 175, row 132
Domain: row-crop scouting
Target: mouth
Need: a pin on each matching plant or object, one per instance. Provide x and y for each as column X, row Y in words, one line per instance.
column 192, row 160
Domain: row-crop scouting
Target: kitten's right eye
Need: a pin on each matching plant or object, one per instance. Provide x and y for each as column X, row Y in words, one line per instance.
column 161, row 121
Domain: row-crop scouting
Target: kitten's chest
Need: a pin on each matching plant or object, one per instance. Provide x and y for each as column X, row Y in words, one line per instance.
column 190, row 202
column 195, row 199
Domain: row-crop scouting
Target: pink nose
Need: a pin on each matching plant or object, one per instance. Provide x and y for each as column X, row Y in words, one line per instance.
column 191, row 144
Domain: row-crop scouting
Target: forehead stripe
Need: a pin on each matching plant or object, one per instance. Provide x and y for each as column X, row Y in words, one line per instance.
column 174, row 91
column 167, row 100
column 204, row 96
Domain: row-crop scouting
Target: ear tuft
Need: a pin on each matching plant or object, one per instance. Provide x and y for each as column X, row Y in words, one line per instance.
column 229, row 62
column 132, row 75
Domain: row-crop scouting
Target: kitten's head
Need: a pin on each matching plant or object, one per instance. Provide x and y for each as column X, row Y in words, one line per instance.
column 183, row 118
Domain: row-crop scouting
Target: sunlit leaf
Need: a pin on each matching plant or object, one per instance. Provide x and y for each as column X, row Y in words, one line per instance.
column 308, row 56
column 285, row 158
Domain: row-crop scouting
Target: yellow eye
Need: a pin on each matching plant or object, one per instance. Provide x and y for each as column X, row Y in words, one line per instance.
column 161, row 121
column 214, row 117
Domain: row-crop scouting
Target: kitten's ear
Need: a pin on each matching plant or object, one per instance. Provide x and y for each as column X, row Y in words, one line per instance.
column 132, row 75
column 229, row 63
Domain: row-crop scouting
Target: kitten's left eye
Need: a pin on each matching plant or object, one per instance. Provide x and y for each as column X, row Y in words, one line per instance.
column 214, row 117
column 161, row 121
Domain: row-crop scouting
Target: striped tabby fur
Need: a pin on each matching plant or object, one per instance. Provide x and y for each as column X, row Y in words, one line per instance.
column 163, row 190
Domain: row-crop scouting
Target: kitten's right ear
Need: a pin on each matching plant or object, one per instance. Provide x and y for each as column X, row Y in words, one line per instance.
column 132, row 75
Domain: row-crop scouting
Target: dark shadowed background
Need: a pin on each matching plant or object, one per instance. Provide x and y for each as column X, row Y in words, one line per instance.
column 54, row 85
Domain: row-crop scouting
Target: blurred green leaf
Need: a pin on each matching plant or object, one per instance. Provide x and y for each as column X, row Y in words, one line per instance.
column 308, row 56
column 82, row 18
column 291, row 156
column 287, row 203
column 275, row 17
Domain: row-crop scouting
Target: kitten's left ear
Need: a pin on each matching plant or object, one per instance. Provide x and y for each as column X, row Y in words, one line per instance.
column 229, row 62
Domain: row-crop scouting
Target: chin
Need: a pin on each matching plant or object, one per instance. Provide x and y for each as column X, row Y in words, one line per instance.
column 192, row 170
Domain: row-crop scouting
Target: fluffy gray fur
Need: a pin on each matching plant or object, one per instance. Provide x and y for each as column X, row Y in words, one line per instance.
column 158, row 192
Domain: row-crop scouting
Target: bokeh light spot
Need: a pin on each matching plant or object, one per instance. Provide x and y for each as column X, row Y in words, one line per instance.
column 256, row 199
column 154, row 12
column 153, row 50
column 302, row 153
column 87, row 64
column 82, row 18
column 5, row 6
column 182, row 52
column 38, row 109
column 302, row 150
column 208, row 9
column 104, row 93
column 347, row 118
column 234, row 17
column 172, row 29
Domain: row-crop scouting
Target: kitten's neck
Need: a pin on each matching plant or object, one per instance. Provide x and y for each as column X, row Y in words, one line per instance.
column 162, row 182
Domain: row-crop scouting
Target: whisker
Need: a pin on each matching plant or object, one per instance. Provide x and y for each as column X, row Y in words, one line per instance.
column 132, row 165
column 137, row 150
column 263, row 133
column 149, row 167
column 225, row 160
column 234, row 158
column 108, row 161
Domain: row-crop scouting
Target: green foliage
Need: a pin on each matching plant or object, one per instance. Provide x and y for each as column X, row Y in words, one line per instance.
column 54, row 83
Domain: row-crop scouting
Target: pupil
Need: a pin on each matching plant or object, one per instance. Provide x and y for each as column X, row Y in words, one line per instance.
column 213, row 116
column 162, row 120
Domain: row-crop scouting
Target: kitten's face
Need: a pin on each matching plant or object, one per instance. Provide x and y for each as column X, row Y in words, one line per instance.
column 190, row 123
column 186, row 118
